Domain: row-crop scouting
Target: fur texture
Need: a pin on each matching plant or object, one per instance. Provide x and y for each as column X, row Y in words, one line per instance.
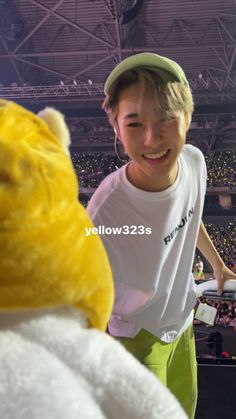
column 67, row 371
column 52, row 365
column 46, row 260
column 56, row 121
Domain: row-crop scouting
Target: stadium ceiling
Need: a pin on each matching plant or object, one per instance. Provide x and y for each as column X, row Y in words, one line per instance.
column 59, row 52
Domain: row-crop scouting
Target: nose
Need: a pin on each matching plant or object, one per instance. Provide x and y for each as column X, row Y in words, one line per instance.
column 152, row 135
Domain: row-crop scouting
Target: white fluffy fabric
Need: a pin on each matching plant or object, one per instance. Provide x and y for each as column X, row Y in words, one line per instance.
column 53, row 367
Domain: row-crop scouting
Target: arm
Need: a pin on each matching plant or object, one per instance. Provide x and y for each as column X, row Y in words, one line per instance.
column 207, row 248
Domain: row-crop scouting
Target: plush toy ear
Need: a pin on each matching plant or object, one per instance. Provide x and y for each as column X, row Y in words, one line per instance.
column 56, row 123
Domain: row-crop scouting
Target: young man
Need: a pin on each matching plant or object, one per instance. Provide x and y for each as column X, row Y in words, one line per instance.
column 153, row 206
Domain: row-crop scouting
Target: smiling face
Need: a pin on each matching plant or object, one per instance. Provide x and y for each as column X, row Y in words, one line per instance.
column 152, row 141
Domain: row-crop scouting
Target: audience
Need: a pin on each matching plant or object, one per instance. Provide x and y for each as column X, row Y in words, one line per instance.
column 223, row 236
column 226, row 311
column 221, row 167
column 93, row 167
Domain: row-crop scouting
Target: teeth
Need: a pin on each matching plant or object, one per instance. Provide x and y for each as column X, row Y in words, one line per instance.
column 156, row 155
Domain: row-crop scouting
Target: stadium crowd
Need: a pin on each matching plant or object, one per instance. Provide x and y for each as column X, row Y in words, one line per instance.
column 93, row 167
column 221, row 168
column 226, row 311
column 223, row 236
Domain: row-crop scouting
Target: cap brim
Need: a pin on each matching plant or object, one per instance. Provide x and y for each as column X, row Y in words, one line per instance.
column 169, row 70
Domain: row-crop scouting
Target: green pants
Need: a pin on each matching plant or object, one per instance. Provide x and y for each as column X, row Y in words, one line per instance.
column 174, row 363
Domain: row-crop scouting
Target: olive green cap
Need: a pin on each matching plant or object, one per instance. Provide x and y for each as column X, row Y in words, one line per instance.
column 168, row 69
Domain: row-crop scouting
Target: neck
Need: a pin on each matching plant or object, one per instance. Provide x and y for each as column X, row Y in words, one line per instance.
column 148, row 183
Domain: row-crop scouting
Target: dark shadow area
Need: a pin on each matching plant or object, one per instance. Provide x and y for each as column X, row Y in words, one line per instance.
column 216, row 372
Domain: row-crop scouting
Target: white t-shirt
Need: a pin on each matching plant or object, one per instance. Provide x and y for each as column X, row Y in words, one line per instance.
column 152, row 272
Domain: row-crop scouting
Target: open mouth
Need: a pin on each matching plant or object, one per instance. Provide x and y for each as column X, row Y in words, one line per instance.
column 157, row 157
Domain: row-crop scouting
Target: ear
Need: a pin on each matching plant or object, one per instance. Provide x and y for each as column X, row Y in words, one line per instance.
column 56, row 123
column 116, row 131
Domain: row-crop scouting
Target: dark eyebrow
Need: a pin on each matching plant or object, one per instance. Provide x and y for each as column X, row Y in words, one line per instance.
column 131, row 115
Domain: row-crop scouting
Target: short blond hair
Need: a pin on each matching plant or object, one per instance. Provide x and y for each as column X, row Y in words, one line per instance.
column 171, row 97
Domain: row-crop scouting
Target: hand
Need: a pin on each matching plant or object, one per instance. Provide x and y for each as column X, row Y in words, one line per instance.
column 222, row 274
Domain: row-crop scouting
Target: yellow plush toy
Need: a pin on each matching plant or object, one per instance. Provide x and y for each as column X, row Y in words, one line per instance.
column 55, row 282
column 46, row 259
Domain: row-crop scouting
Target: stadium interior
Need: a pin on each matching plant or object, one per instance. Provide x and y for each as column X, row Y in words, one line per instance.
column 59, row 52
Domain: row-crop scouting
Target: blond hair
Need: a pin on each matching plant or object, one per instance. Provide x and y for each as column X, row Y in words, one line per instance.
column 171, row 97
